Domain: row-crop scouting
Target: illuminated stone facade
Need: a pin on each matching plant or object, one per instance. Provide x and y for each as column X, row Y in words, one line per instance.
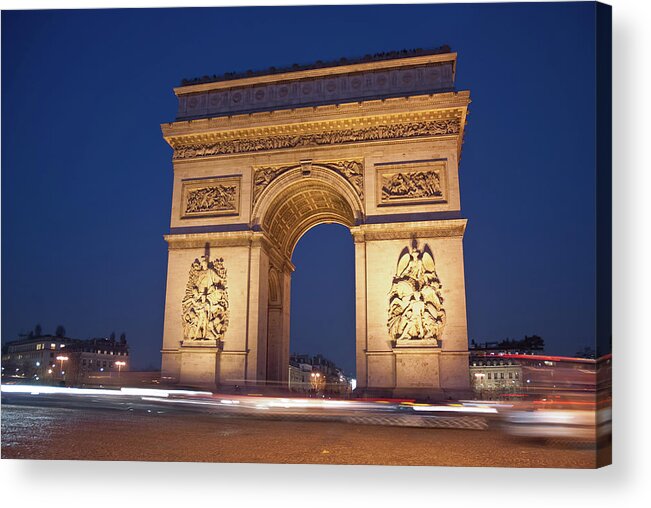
column 492, row 377
column 258, row 161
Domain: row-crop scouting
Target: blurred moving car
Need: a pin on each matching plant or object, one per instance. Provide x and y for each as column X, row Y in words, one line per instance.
column 560, row 419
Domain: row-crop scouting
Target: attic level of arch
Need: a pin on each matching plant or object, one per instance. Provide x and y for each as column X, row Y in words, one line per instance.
column 400, row 77
column 271, row 71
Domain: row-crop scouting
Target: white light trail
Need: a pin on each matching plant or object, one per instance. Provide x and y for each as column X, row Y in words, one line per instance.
column 458, row 409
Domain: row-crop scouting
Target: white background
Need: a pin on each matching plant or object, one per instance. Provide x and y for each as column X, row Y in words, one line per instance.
column 626, row 483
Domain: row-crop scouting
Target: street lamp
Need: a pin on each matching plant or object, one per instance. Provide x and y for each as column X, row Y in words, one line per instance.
column 62, row 359
column 479, row 383
column 317, row 381
column 120, row 364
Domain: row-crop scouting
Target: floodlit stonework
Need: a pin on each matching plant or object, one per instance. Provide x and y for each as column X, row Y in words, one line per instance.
column 205, row 305
column 260, row 160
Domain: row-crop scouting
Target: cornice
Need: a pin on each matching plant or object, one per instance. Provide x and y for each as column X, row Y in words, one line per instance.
column 408, row 230
column 382, row 128
column 449, row 101
column 314, row 73
column 220, row 239
column 230, row 239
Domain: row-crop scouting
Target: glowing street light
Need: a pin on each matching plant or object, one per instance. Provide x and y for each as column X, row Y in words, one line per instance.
column 317, row 381
column 120, row 364
column 62, row 359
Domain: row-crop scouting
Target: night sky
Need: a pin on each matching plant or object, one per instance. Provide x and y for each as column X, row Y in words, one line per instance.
column 87, row 176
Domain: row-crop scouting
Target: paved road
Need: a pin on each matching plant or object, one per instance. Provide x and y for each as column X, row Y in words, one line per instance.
column 57, row 433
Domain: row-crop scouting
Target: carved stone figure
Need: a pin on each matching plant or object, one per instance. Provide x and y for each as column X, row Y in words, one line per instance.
column 353, row 171
column 264, row 176
column 411, row 185
column 443, row 127
column 213, row 198
column 416, row 313
column 205, row 305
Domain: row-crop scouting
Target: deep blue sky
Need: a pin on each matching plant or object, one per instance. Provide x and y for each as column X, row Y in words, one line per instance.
column 87, row 177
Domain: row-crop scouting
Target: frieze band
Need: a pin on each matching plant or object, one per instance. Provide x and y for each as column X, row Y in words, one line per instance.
column 444, row 127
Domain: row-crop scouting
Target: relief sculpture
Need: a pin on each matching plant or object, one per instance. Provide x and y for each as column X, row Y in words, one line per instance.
column 264, row 176
column 443, row 127
column 416, row 313
column 351, row 170
column 211, row 199
column 412, row 185
column 205, row 305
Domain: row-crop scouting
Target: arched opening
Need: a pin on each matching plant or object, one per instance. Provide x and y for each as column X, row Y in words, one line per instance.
column 320, row 207
column 294, row 204
column 323, row 297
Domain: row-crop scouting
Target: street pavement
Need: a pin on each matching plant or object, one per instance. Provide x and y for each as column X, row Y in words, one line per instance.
column 30, row 432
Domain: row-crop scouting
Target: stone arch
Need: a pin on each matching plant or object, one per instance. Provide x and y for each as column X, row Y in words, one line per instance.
column 301, row 197
column 298, row 200
column 317, row 161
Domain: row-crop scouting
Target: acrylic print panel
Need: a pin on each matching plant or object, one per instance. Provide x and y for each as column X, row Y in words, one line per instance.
column 321, row 295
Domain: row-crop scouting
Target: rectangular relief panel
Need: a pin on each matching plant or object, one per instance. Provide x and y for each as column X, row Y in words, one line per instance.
column 414, row 182
column 210, row 197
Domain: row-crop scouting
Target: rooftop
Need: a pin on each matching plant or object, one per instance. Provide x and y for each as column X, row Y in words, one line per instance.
column 377, row 57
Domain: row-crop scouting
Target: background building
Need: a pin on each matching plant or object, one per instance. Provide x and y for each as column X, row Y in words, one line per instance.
column 495, row 368
column 532, row 344
column 318, row 375
column 492, row 375
column 57, row 359
column 496, row 373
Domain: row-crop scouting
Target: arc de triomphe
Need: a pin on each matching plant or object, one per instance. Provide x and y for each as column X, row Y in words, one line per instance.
column 261, row 158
